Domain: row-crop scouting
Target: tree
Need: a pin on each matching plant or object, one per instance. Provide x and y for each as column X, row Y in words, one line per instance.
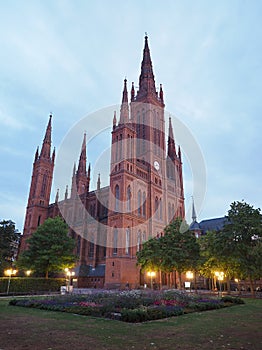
column 149, row 256
column 9, row 240
column 241, row 240
column 213, row 259
column 179, row 250
column 175, row 251
column 50, row 248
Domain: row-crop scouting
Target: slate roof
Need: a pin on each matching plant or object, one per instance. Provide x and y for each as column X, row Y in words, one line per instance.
column 215, row 224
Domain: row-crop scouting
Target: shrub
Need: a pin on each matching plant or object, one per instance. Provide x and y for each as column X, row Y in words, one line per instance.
column 31, row 285
column 233, row 300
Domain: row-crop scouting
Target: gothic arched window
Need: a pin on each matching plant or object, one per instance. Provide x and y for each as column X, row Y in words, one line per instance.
column 139, row 203
column 44, row 185
column 127, row 240
column 169, row 212
column 117, row 197
column 115, row 240
column 144, row 204
column 138, row 240
column 156, row 208
column 128, row 204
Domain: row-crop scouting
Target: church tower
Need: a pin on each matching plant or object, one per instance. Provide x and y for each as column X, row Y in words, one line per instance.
column 40, row 189
column 139, row 191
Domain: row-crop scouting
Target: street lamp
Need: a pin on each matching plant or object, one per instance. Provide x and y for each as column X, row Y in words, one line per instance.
column 220, row 277
column 189, row 275
column 151, row 274
column 69, row 275
column 28, row 273
column 9, row 273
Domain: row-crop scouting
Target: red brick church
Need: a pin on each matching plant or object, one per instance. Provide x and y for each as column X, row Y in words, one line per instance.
column 145, row 191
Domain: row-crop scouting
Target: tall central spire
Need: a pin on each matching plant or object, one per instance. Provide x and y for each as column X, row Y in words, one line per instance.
column 146, row 79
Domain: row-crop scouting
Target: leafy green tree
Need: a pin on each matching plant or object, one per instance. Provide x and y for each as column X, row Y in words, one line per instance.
column 50, row 248
column 179, row 250
column 149, row 256
column 9, row 240
column 213, row 259
column 241, row 240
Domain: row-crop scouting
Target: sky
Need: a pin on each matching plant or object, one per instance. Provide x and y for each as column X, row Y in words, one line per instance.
column 71, row 57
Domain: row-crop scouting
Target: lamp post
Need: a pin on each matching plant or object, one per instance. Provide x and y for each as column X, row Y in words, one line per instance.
column 69, row 275
column 220, row 277
column 189, row 275
column 9, row 273
column 151, row 274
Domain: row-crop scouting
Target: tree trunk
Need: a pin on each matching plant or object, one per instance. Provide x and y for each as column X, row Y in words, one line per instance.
column 252, row 287
column 160, row 279
column 175, row 279
column 180, row 280
column 46, row 274
column 228, row 285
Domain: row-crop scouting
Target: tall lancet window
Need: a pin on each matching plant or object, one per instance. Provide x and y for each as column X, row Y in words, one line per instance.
column 116, row 149
column 44, row 184
column 156, row 208
column 128, row 203
column 139, row 240
column 139, row 203
column 144, row 204
column 117, row 197
column 160, row 209
column 115, row 241
column 120, row 144
column 144, row 130
column 127, row 240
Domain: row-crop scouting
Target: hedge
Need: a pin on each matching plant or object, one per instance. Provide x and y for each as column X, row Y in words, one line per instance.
column 30, row 285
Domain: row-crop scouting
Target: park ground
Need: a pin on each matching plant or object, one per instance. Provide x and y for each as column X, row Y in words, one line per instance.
column 238, row 327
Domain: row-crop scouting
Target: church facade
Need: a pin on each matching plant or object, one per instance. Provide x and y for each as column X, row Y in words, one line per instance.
column 145, row 190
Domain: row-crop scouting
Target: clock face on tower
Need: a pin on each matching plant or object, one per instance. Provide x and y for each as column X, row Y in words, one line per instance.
column 156, row 165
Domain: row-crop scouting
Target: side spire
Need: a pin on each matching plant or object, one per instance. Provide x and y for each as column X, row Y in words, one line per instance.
column 124, row 111
column 98, row 182
column 114, row 120
column 82, row 159
column 171, row 142
column 46, row 146
column 194, row 216
column 81, row 175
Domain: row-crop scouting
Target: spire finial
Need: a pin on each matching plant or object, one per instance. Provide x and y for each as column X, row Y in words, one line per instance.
column 132, row 92
column 66, row 192
column 57, row 196
column 194, row 216
column 98, row 182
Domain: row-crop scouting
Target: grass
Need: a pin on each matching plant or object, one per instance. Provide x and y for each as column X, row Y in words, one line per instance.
column 237, row 327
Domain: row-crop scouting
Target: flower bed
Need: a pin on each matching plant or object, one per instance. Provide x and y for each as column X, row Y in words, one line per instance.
column 128, row 306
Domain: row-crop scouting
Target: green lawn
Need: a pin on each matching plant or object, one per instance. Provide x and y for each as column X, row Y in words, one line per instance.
column 237, row 327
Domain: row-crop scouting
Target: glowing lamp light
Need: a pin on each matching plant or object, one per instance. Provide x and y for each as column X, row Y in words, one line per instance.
column 189, row 275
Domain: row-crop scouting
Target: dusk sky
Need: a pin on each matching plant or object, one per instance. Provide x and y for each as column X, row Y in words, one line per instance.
column 71, row 57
